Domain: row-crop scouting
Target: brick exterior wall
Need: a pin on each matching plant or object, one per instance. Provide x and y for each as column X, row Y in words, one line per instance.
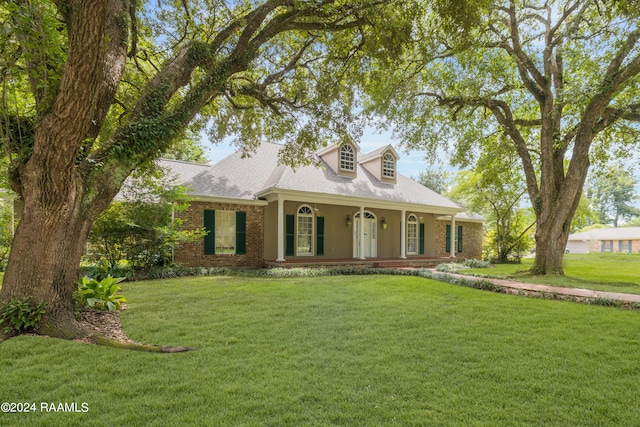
column 596, row 246
column 472, row 235
column 192, row 254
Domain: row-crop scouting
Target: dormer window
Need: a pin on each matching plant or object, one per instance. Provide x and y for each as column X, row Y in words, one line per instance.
column 347, row 158
column 388, row 166
column 342, row 158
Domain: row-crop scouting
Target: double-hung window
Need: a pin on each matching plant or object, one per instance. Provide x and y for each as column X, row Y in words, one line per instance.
column 226, row 232
column 458, row 243
column 624, row 246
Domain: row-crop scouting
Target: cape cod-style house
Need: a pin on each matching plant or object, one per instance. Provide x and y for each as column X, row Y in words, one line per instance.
column 353, row 209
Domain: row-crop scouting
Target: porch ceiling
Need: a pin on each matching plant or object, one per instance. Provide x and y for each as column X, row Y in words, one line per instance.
column 274, row 194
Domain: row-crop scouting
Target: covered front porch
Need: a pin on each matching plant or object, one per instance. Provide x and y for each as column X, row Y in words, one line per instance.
column 303, row 229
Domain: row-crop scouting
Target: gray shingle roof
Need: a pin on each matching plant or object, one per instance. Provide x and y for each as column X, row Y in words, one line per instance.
column 619, row 233
column 238, row 178
column 183, row 171
column 235, row 177
column 376, row 153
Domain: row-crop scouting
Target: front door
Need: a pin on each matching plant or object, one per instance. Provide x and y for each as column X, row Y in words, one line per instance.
column 370, row 235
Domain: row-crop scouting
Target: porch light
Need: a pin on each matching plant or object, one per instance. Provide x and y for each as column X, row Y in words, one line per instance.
column 384, row 224
column 347, row 221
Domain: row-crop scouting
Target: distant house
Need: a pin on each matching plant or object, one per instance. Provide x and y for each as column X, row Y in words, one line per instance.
column 355, row 207
column 615, row 239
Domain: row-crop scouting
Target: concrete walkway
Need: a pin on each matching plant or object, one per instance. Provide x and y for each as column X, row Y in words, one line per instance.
column 577, row 292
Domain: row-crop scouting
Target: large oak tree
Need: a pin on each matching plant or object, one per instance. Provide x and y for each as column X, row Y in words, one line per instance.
column 94, row 89
column 560, row 79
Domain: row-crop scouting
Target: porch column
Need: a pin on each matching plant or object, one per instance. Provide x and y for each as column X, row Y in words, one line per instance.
column 454, row 240
column 403, row 235
column 361, row 232
column 280, row 230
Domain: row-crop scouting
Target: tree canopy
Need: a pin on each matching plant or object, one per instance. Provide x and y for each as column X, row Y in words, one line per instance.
column 612, row 194
column 495, row 188
column 91, row 90
column 560, row 79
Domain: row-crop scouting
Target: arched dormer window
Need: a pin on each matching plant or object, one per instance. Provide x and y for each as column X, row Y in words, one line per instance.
column 347, row 158
column 305, row 231
column 388, row 166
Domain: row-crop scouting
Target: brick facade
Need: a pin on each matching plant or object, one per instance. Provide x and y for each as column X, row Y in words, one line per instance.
column 472, row 235
column 595, row 246
column 192, row 254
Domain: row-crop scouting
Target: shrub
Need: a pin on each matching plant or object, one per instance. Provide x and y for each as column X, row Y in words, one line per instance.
column 141, row 227
column 451, row 267
column 21, row 315
column 606, row 302
column 99, row 271
column 476, row 263
column 102, row 294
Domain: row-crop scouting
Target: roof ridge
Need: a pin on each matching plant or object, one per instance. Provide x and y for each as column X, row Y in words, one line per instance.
column 188, row 162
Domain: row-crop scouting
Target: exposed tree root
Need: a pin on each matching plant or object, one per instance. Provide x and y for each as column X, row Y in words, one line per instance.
column 99, row 339
column 103, row 328
column 100, row 328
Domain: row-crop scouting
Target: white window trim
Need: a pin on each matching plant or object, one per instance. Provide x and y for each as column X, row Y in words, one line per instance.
column 350, row 162
column 312, row 234
column 412, row 219
column 388, row 166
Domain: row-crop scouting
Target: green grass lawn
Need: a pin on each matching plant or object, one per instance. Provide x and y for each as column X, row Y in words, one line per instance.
column 351, row 351
column 609, row 272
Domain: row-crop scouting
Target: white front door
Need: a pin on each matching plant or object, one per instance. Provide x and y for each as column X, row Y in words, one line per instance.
column 370, row 236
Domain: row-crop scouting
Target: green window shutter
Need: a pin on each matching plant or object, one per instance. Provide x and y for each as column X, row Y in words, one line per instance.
column 459, row 236
column 290, row 241
column 241, row 232
column 320, row 235
column 448, row 239
column 421, row 239
column 210, row 228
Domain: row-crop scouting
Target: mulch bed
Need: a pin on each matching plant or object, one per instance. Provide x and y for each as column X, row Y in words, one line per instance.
column 106, row 323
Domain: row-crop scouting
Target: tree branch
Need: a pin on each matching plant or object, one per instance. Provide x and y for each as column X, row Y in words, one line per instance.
column 502, row 112
column 611, row 115
column 533, row 79
column 133, row 6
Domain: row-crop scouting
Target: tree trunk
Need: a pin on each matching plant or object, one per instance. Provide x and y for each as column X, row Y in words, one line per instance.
column 549, row 253
column 44, row 264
